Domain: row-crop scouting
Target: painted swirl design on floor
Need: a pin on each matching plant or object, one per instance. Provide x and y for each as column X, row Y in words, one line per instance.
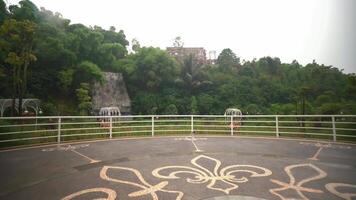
column 111, row 194
column 331, row 187
column 224, row 180
column 144, row 188
column 295, row 185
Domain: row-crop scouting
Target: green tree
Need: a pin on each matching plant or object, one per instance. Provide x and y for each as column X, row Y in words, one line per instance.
column 227, row 59
column 171, row 110
column 17, row 40
column 252, row 109
column 192, row 73
column 330, row 109
column 324, row 98
column 109, row 53
column 66, row 78
column 269, row 66
column 351, row 87
column 88, row 71
column 3, row 11
column 135, row 45
column 145, row 103
column 304, row 92
column 26, row 10
column 194, row 106
column 84, row 98
column 151, row 69
column 178, row 42
column 205, row 103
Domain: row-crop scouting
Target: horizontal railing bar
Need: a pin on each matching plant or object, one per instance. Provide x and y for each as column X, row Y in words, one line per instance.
column 196, row 116
column 244, row 131
column 306, row 127
column 34, row 131
column 235, row 120
column 75, row 123
column 25, row 125
column 352, row 136
column 23, row 139
column 202, row 130
column 243, row 126
column 246, row 121
column 301, row 133
column 171, row 130
column 89, row 128
column 79, row 123
column 314, row 115
column 208, row 125
column 172, row 125
column 142, row 121
column 143, row 131
column 320, row 122
column 134, row 126
column 209, row 121
column 209, row 116
column 183, row 120
column 85, row 134
column 346, row 129
column 345, row 122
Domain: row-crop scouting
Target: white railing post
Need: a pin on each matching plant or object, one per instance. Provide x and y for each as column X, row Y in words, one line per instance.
column 110, row 128
column 192, row 124
column 232, row 125
column 59, row 130
column 153, row 125
column 334, row 128
column 277, row 128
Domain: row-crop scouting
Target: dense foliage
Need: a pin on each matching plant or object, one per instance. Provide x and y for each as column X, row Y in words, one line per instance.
column 57, row 61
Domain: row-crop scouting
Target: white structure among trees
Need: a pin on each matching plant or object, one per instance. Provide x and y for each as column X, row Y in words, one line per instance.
column 233, row 112
column 109, row 111
column 28, row 105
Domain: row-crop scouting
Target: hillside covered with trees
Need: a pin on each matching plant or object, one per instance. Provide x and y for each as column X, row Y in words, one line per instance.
column 45, row 56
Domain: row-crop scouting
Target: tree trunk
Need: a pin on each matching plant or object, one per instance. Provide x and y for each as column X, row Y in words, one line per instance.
column 19, row 90
column 13, row 104
column 303, row 109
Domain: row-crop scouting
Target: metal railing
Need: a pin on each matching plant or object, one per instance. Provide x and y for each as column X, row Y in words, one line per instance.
column 34, row 130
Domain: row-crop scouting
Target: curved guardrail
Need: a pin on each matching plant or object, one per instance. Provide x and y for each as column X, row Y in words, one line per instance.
column 16, row 131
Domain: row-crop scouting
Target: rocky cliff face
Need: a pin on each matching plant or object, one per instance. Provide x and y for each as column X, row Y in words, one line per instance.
column 112, row 92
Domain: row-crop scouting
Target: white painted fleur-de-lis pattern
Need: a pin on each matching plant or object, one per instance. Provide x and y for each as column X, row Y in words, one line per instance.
column 211, row 174
column 215, row 179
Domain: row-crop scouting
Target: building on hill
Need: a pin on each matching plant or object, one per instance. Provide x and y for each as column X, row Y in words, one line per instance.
column 180, row 53
column 212, row 58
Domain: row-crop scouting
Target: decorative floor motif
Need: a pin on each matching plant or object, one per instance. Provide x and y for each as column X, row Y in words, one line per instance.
column 207, row 173
column 215, row 178
column 192, row 139
column 111, row 194
column 66, row 147
column 331, row 187
column 297, row 186
column 321, row 146
column 72, row 149
column 144, row 187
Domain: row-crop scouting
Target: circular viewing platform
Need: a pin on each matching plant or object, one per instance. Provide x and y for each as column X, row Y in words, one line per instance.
column 191, row 157
column 225, row 167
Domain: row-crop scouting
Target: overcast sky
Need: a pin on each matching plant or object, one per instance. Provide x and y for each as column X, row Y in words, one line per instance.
column 304, row 30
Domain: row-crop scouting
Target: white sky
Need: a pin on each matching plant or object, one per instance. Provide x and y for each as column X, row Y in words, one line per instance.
column 304, row 30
